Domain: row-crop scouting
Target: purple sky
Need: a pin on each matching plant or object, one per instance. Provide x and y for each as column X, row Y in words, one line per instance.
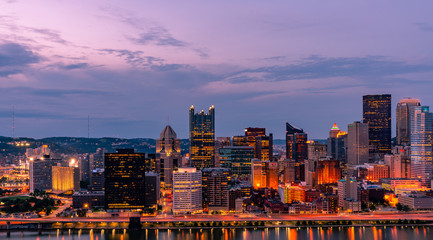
column 130, row 64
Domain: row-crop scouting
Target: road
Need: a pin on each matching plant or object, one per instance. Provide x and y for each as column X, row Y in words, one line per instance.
column 275, row 218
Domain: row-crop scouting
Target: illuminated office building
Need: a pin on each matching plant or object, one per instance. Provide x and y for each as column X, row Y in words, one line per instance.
column 377, row 114
column 65, row 179
column 256, row 138
column 265, row 174
column 421, row 144
column 215, row 189
column 337, row 144
column 97, row 180
column 316, row 150
column 202, row 138
column 357, row 143
column 404, row 107
column 296, row 143
column 238, row 160
column 221, row 142
column 258, row 173
column 187, row 191
column 168, row 149
column 40, row 173
column 152, row 189
column 125, row 180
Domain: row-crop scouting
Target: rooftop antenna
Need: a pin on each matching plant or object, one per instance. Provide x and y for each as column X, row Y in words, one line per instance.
column 168, row 119
column 13, row 121
column 88, row 126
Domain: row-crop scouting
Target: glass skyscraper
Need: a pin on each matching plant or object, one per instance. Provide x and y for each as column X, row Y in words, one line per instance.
column 238, row 160
column 125, row 180
column 421, row 144
column 377, row 114
column 202, row 138
column 403, row 119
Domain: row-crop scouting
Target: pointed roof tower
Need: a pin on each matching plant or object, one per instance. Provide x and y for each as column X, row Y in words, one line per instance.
column 168, row 133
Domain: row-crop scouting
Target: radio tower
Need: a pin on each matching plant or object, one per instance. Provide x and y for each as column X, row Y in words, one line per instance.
column 88, row 126
column 13, row 121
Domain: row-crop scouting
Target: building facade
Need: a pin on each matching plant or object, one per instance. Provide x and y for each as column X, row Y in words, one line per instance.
column 377, row 114
column 215, row 189
column 404, row 107
column 169, row 151
column 421, row 144
column 202, row 138
column 187, row 191
column 238, row 160
column 357, row 143
column 124, row 180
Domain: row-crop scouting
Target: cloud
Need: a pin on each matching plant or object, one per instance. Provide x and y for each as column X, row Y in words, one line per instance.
column 49, row 35
column 14, row 57
column 316, row 67
column 424, row 26
column 74, row 66
column 159, row 36
column 51, row 92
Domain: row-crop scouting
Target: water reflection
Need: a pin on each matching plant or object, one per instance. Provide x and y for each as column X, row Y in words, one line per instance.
column 310, row 233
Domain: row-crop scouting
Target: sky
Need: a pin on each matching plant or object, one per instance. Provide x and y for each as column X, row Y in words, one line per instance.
column 131, row 67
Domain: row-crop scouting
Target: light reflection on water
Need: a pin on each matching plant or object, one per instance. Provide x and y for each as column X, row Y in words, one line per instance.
column 310, row 233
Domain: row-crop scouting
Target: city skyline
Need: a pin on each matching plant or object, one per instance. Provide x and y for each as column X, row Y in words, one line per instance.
column 261, row 65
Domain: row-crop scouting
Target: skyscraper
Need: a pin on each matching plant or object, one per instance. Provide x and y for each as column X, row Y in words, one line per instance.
column 357, row 143
column 377, row 114
column 296, row 143
column 124, row 180
column 421, row 144
column 337, row 144
column 215, row 188
column 202, row 138
column 238, row 160
column 187, row 191
column 40, row 173
column 168, row 148
column 403, row 119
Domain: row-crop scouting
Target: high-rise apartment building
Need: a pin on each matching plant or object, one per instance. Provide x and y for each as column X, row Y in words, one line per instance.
column 421, row 144
column 187, row 191
column 124, row 180
column 238, row 160
column 215, row 189
column 168, row 148
column 377, row 114
column 202, row 138
column 357, row 143
column 404, row 107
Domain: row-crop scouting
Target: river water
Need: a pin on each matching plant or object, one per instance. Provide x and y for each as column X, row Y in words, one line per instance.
column 310, row 233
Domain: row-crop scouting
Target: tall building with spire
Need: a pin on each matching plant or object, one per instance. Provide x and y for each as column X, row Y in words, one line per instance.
column 421, row 145
column 202, row 138
column 168, row 147
column 404, row 107
column 377, row 114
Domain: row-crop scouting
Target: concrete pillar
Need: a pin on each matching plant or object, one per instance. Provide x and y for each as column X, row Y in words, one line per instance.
column 40, row 228
column 8, row 229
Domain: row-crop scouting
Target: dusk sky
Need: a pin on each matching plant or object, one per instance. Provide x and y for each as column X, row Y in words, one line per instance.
column 131, row 64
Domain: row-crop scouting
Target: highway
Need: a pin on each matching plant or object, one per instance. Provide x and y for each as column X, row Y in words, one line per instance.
column 228, row 218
